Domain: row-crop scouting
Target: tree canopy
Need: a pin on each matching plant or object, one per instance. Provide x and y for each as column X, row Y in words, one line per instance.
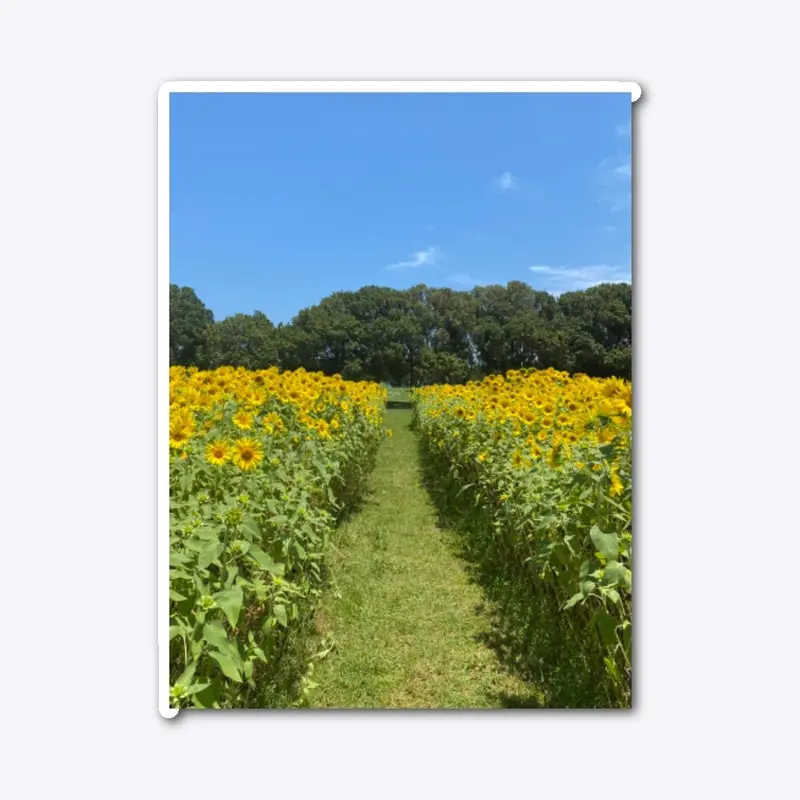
column 189, row 325
column 420, row 335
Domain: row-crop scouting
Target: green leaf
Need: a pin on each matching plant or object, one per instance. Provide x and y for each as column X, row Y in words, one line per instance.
column 612, row 595
column 300, row 550
column 265, row 562
column 186, row 482
column 607, row 627
column 207, row 532
column 186, row 676
column 260, row 589
column 606, row 543
column 176, row 596
column 576, row 598
column 227, row 665
column 230, row 601
column 209, row 697
column 176, row 630
column 617, row 573
column 232, row 573
column 250, row 528
column 626, row 636
column 280, row 615
column 215, row 634
column 197, row 687
column 211, row 552
column 587, row 587
column 612, row 669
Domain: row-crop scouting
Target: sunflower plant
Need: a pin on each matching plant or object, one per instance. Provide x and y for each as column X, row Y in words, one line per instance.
column 262, row 464
column 535, row 468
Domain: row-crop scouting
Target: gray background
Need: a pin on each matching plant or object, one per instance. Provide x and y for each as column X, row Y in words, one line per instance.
column 715, row 277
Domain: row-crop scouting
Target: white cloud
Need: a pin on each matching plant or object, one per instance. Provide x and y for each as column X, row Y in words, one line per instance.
column 557, row 280
column 465, row 280
column 507, row 181
column 613, row 179
column 424, row 258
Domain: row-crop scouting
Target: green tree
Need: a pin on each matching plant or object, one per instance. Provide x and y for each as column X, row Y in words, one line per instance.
column 419, row 335
column 598, row 322
column 189, row 325
column 244, row 340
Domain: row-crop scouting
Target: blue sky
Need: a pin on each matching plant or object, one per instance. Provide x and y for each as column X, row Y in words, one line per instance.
column 277, row 200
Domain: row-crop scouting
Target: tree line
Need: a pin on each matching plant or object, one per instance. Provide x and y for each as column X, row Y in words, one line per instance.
column 419, row 335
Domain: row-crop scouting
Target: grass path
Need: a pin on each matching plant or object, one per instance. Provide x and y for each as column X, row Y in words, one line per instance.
column 408, row 624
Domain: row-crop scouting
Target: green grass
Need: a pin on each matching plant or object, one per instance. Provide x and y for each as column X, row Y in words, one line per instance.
column 398, row 395
column 410, row 629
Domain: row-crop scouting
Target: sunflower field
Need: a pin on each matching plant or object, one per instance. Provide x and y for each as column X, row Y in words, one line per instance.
column 534, row 469
column 262, row 466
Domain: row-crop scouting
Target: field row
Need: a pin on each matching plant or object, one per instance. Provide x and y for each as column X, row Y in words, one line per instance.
column 262, row 464
column 534, row 468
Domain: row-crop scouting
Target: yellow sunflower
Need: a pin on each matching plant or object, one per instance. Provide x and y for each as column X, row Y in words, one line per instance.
column 248, row 453
column 181, row 428
column 243, row 419
column 218, row 452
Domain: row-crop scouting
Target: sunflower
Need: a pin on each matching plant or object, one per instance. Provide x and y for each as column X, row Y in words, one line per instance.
column 243, row 419
column 616, row 484
column 322, row 429
column 181, row 428
column 217, row 452
column 606, row 435
column 248, row 453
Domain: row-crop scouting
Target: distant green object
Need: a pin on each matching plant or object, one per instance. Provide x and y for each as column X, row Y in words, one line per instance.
column 398, row 398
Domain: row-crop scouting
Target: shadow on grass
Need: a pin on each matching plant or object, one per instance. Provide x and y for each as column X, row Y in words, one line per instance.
column 528, row 630
column 517, row 700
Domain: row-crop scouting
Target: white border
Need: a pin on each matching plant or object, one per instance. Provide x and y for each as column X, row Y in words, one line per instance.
column 162, row 413
column 164, row 92
column 536, row 87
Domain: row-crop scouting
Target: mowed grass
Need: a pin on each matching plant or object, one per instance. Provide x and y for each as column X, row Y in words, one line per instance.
column 398, row 395
column 408, row 625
